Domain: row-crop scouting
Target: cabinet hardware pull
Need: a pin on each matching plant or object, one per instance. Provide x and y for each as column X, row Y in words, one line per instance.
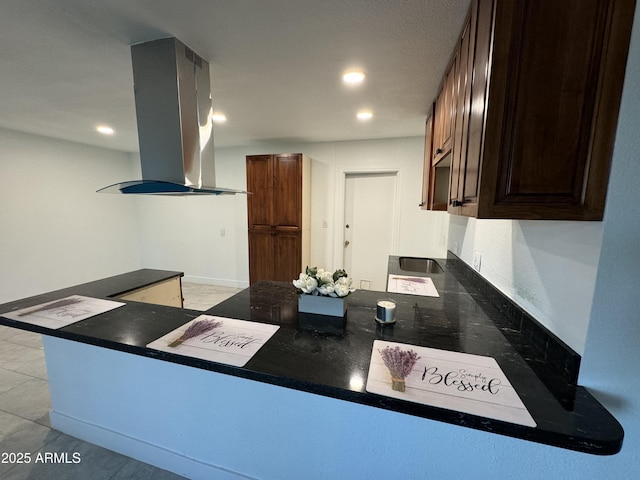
column 456, row 203
column 438, row 151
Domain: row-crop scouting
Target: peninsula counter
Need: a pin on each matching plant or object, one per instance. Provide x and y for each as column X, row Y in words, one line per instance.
column 298, row 408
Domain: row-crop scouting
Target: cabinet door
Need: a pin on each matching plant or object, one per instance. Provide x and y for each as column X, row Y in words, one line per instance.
column 545, row 161
column 556, row 82
column 435, row 180
column 260, row 188
column 478, row 69
column 438, row 124
column 287, row 255
column 287, row 239
column 449, row 107
column 444, row 114
column 287, row 192
column 425, row 203
column 261, row 255
column 460, row 164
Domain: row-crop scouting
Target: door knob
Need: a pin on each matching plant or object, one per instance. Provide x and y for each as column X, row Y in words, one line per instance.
column 346, row 242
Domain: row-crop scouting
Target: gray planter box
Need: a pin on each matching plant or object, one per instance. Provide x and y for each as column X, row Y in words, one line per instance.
column 334, row 306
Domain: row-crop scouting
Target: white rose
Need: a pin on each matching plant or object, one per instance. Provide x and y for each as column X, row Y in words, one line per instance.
column 305, row 283
column 325, row 277
column 326, row 288
column 343, row 287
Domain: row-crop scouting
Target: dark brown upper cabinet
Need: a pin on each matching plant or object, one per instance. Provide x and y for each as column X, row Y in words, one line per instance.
column 537, row 88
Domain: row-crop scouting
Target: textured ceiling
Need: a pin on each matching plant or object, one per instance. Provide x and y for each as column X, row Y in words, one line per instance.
column 65, row 65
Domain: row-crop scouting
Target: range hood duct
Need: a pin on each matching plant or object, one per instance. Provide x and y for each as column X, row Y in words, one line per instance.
column 175, row 129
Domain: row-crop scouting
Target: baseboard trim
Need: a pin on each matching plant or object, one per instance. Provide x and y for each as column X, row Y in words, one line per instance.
column 140, row 450
column 221, row 282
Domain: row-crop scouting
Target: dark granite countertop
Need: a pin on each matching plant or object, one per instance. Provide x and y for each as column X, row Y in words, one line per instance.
column 323, row 356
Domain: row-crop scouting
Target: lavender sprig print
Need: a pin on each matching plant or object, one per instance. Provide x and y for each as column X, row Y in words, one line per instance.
column 196, row 328
column 52, row 306
column 399, row 362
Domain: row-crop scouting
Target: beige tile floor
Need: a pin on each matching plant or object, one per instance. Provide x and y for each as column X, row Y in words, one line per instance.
column 24, row 411
column 202, row 297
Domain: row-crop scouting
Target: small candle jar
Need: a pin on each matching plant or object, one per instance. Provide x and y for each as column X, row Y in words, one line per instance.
column 386, row 311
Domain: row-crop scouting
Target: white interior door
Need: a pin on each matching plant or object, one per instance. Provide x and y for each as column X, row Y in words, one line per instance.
column 369, row 210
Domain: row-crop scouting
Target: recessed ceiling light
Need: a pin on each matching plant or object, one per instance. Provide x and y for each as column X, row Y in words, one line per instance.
column 105, row 130
column 365, row 115
column 353, row 77
column 218, row 117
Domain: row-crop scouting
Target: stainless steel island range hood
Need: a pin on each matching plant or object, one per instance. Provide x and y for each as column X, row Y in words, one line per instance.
column 174, row 114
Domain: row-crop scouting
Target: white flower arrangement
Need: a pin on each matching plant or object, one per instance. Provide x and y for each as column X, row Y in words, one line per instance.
column 317, row 281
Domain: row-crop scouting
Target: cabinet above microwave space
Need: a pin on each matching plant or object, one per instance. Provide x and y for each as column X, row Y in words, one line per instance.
column 524, row 124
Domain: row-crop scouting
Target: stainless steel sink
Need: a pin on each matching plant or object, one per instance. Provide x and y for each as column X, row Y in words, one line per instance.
column 422, row 265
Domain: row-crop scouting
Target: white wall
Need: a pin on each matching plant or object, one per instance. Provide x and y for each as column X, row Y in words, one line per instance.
column 546, row 267
column 184, row 233
column 612, row 352
column 56, row 231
